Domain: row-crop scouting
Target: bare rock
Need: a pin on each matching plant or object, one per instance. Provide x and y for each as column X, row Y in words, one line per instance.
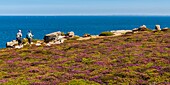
column 38, row 44
column 157, row 27
column 120, row 32
column 18, row 46
column 143, row 28
column 48, row 44
column 165, row 29
column 11, row 44
column 86, row 35
column 51, row 36
column 71, row 34
column 135, row 30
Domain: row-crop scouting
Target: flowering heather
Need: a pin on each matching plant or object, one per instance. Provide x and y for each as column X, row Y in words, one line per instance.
column 136, row 59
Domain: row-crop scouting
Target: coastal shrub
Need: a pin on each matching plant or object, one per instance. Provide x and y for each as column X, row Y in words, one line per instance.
column 63, row 34
column 74, row 38
column 18, row 81
column 81, row 82
column 87, row 60
column 24, row 41
column 106, row 34
column 144, row 29
column 1, row 61
column 34, row 40
column 135, row 60
column 45, row 52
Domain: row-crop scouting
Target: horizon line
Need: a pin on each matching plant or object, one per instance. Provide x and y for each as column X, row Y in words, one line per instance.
column 84, row 15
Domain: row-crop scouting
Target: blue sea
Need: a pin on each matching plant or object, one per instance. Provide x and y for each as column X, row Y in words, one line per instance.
column 41, row 25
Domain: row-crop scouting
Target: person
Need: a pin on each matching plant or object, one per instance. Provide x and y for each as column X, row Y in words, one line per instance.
column 29, row 36
column 19, row 37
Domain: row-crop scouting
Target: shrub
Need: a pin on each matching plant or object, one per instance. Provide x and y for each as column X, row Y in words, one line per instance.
column 87, row 60
column 74, row 38
column 63, row 34
column 144, row 29
column 18, row 81
column 34, row 40
column 82, row 82
column 106, row 34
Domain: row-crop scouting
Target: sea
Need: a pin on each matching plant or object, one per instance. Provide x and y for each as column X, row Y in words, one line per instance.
column 94, row 25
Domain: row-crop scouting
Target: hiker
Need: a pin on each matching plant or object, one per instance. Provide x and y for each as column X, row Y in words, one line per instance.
column 29, row 36
column 19, row 37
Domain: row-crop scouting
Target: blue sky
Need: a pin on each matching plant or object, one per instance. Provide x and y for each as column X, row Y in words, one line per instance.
column 84, row 7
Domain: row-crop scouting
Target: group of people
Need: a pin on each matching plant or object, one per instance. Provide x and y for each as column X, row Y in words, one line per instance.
column 19, row 37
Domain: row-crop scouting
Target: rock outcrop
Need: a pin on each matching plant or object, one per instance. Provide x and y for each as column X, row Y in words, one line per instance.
column 55, row 38
column 11, row 44
column 143, row 28
column 70, row 34
column 157, row 27
column 135, row 30
column 86, row 35
column 165, row 29
column 52, row 36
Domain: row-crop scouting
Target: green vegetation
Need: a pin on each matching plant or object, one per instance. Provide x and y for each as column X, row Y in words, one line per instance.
column 135, row 59
column 81, row 82
column 106, row 34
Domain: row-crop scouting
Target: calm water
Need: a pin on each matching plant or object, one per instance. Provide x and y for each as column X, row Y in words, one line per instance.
column 41, row 25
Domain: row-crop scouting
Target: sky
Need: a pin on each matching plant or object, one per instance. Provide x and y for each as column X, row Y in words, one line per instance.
column 84, row 7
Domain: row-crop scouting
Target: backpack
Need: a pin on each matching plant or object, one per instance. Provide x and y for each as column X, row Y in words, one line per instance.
column 28, row 35
column 19, row 35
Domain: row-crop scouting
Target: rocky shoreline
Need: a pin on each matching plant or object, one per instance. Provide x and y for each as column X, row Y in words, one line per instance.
column 59, row 37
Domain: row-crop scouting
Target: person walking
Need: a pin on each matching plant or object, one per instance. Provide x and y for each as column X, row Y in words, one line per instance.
column 19, row 37
column 29, row 37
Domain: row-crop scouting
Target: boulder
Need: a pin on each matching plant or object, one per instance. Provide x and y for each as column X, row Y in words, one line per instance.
column 142, row 28
column 135, row 30
column 38, row 44
column 165, row 29
column 48, row 44
column 157, row 27
column 62, row 40
column 18, row 47
column 71, row 34
column 51, row 36
column 11, row 44
column 86, row 35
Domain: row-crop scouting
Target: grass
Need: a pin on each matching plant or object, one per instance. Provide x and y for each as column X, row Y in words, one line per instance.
column 141, row 58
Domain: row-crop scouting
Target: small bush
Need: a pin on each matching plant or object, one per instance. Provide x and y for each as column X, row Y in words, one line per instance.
column 34, row 40
column 144, row 29
column 106, row 34
column 81, row 82
column 63, row 34
column 74, row 38
column 87, row 60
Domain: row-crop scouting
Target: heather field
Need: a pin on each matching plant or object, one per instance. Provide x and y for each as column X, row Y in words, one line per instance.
column 136, row 59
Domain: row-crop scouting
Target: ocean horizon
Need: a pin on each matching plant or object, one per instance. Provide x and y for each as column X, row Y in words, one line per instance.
column 41, row 25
